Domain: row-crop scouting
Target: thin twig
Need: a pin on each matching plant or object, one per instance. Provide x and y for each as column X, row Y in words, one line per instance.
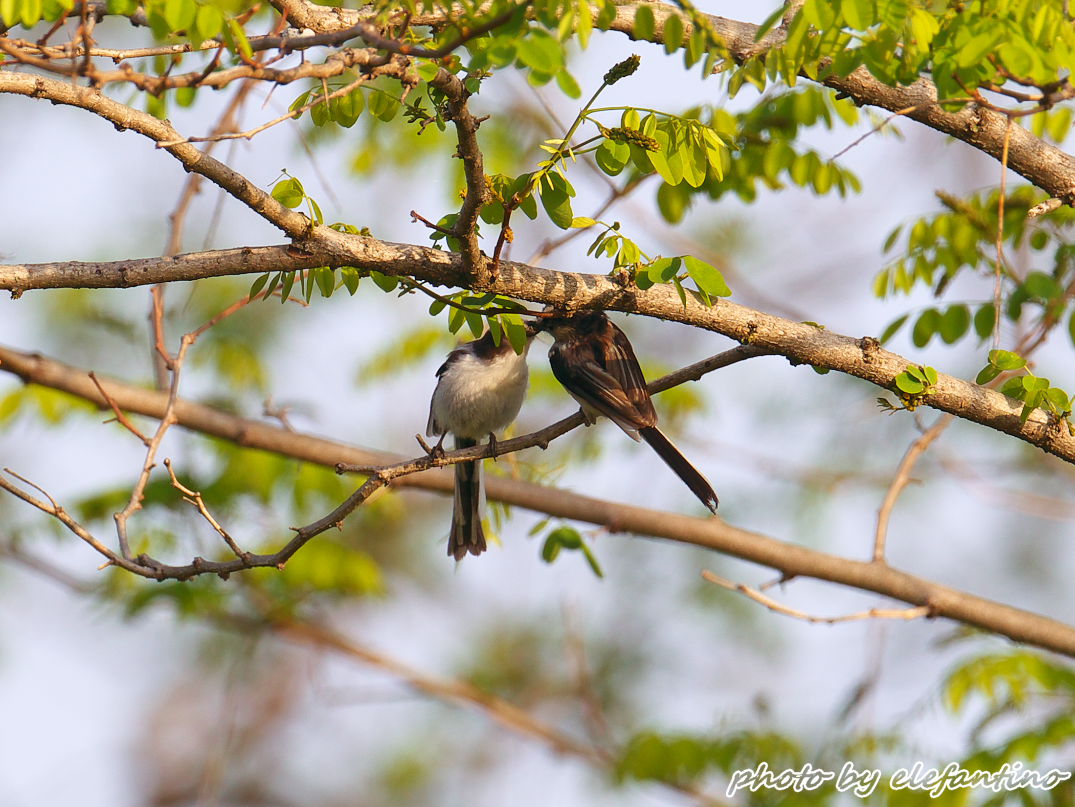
column 918, row 612
column 195, row 498
column 122, row 418
column 134, row 503
column 997, row 277
column 898, row 113
column 901, row 480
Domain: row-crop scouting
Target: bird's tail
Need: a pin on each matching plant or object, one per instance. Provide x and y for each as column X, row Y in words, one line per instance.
column 690, row 475
column 466, row 535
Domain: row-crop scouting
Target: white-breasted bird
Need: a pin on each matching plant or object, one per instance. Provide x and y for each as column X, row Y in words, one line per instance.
column 480, row 389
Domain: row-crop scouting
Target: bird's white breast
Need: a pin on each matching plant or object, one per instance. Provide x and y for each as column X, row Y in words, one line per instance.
column 474, row 398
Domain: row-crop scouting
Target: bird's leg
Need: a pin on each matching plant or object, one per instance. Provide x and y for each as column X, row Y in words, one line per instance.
column 492, row 446
column 437, row 451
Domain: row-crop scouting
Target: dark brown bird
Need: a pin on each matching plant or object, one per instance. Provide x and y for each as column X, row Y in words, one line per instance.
column 595, row 362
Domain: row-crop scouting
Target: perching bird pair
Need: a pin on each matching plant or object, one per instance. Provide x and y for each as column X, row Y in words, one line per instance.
column 481, row 387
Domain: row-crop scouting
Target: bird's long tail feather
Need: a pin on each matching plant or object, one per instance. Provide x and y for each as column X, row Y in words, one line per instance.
column 690, row 475
column 467, row 535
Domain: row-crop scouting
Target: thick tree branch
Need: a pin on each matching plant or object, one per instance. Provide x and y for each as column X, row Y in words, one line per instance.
column 711, row 533
column 800, row 343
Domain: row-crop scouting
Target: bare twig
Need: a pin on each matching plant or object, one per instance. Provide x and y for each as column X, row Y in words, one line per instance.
column 195, row 498
column 901, row 480
column 134, row 503
column 919, row 612
column 897, row 114
column 997, row 276
column 122, row 418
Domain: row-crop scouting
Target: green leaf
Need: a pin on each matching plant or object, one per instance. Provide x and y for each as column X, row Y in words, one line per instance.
column 382, row 106
column 673, row 33
column 695, row 161
column 1006, row 360
column 976, row 49
column 663, row 270
column 179, row 14
column 859, row 14
column 1058, row 400
column 540, row 51
column 239, row 38
column 321, row 111
column 285, row 287
column 924, row 27
column 1033, row 383
column 584, row 25
column 925, row 326
column 31, row 12
column 326, row 280
column 768, row 23
column 557, row 205
column 1013, row 388
column 8, row 12
column 954, row 323
column 906, row 383
column 987, row 374
column 984, row 318
column 591, row 559
column 288, row 192
column 1042, row 286
column 347, row 109
column 673, row 201
column 645, row 24
column 210, row 22
column 611, row 157
column 893, row 326
column 476, row 323
column 516, row 331
column 351, row 278
column 568, row 85
column 273, row 284
column 707, row 277
column 386, row 283
column 258, row 285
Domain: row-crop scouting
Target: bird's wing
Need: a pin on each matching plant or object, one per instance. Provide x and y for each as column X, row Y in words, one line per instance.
column 620, row 362
column 582, row 374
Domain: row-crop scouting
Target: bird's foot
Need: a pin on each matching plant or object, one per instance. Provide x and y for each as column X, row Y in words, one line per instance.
column 437, row 451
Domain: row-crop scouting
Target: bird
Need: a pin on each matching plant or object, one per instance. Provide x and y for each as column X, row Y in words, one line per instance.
column 480, row 390
column 594, row 361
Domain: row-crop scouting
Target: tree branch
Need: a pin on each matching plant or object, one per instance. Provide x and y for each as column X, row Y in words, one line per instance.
column 799, row 342
column 789, row 559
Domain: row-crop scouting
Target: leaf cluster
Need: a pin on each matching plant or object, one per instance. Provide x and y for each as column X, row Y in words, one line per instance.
column 960, row 46
column 935, row 250
column 1035, row 392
